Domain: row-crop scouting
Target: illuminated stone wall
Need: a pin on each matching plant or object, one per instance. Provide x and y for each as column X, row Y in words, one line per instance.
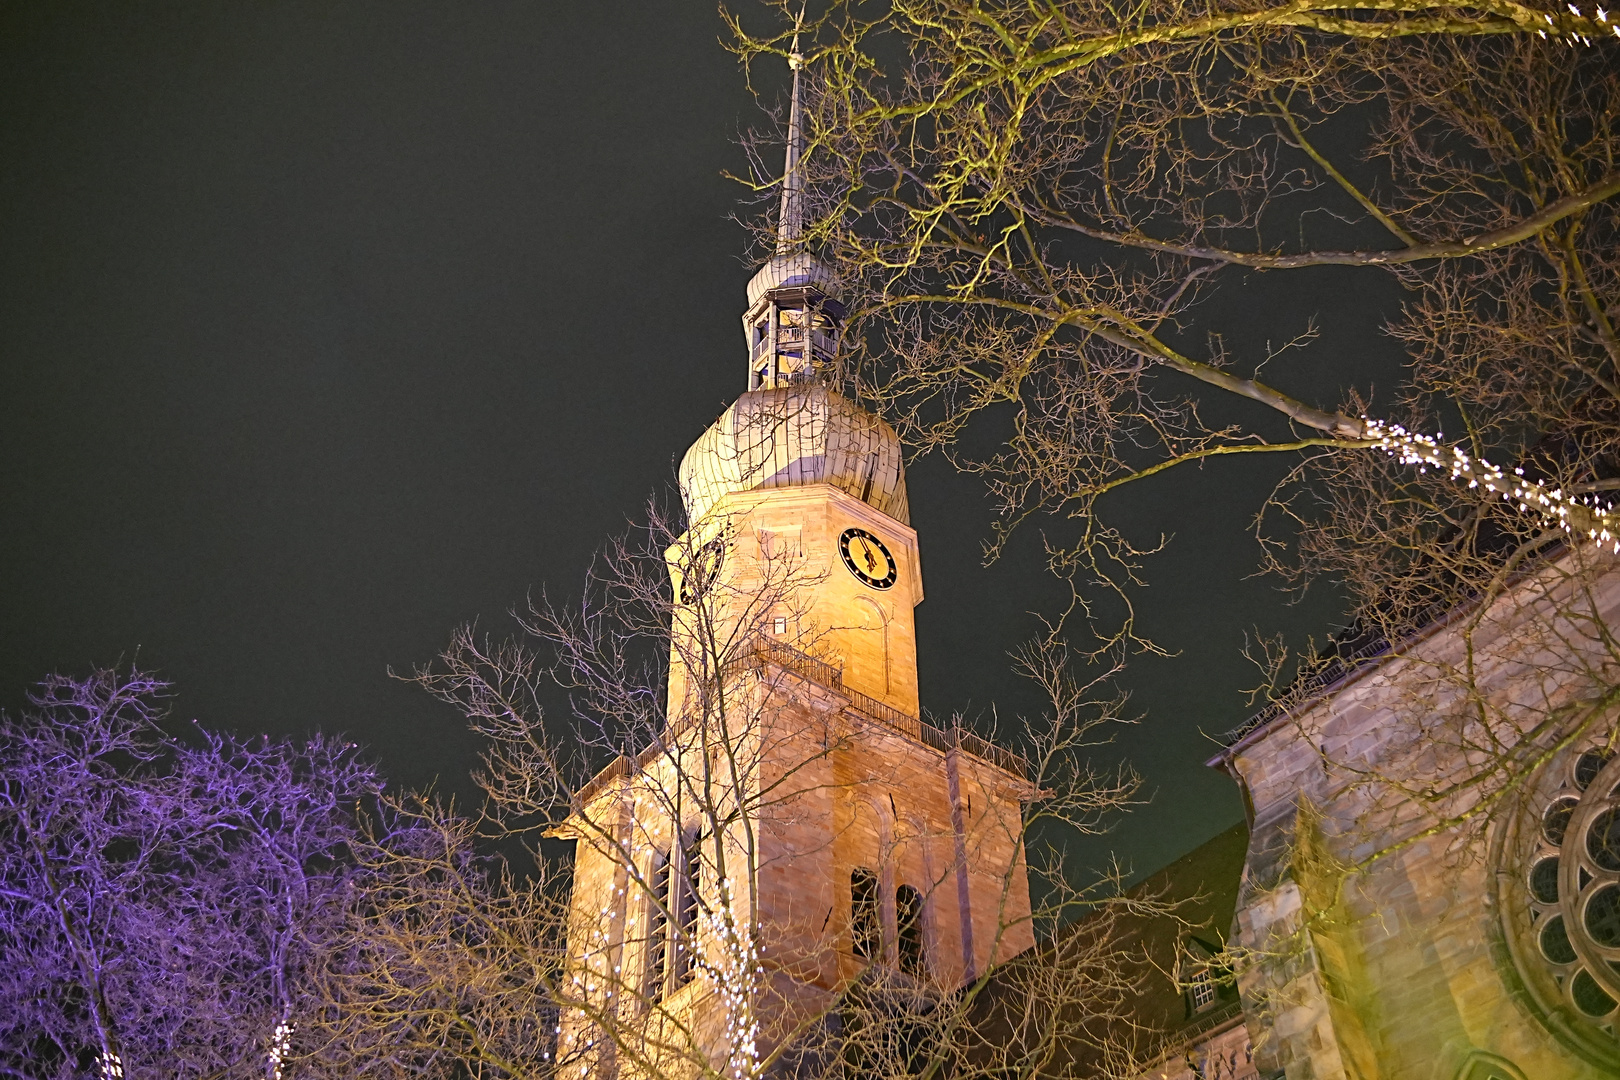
column 843, row 790
column 805, row 715
column 1375, row 943
column 783, row 544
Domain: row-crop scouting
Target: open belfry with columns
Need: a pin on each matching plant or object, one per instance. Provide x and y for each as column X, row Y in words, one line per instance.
column 796, row 824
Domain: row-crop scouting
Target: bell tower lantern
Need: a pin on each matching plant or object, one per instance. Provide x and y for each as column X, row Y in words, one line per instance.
column 794, row 316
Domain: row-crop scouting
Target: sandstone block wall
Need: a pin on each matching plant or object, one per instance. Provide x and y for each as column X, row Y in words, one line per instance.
column 1367, row 929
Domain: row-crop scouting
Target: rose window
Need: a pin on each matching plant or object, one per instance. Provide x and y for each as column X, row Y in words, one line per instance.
column 1561, row 902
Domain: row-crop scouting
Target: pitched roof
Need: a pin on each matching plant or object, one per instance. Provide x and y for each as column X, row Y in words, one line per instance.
column 1131, row 1003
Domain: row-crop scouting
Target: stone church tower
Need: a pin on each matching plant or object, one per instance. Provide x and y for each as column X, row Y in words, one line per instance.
column 795, row 827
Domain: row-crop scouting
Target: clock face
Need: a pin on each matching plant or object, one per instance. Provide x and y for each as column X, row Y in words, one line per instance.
column 702, row 570
column 867, row 558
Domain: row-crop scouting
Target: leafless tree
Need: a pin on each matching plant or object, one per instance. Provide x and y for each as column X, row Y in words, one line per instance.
column 682, row 746
column 446, row 961
column 163, row 900
column 1030, row 203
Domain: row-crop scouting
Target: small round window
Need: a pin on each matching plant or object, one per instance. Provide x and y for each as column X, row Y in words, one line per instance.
column 1589, row 764
column 1555, row 822
column 1544, row 880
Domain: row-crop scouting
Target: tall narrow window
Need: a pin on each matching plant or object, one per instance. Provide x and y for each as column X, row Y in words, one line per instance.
column 908, row 915
column 864, row 917
column 657, row 926
column 684, row 906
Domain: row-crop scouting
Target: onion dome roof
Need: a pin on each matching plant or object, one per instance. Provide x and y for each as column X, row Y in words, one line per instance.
column 795, row 436
column 788, row 269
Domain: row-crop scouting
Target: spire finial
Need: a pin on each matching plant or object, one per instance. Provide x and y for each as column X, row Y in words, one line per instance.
column 794, row 317
column 790, row 226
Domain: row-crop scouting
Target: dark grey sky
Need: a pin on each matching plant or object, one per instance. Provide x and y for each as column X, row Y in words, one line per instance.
column 324, row 327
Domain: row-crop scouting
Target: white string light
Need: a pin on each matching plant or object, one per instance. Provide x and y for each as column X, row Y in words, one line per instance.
column 280, row 1043
column 1584, row 517
column 1570, row 36
column 736, row 977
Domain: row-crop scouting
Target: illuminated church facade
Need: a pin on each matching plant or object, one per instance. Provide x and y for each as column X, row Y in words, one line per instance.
column 1431, row 887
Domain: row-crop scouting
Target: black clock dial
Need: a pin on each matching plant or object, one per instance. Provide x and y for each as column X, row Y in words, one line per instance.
column 867, row 558
column 701, row 572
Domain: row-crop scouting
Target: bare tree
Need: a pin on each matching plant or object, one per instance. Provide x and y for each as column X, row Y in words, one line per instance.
column 1030, row 203
column 663, row 944
column 163, row 901
column 447, row 960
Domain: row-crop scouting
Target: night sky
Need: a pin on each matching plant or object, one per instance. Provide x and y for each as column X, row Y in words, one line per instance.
column 325, row 327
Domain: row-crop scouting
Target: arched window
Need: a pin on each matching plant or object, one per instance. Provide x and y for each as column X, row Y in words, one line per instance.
column 657, row 926
column 1481, row 1065
column 684, row 906
column 908, row 903
column 864, row 917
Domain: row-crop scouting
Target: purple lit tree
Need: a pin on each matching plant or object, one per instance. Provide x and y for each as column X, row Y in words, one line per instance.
column 164, row 901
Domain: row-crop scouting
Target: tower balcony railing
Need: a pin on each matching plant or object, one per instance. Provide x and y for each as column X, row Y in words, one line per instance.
column 764, row 651
column 824, row 345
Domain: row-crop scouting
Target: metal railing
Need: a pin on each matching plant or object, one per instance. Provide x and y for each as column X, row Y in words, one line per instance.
column 620, row 767
column 791, row 659
column 885, row 715
column 786, row 657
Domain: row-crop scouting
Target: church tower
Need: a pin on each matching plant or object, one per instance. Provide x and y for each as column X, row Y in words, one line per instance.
column 795, row 831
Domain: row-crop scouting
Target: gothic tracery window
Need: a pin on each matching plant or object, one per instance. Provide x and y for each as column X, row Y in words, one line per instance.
column 1566, row 902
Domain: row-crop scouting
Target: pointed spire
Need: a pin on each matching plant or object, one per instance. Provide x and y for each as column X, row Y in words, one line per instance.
column 794, row 318
column 790, row 225
column 792, row 263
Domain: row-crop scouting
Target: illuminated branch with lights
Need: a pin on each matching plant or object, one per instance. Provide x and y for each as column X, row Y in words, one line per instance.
column 1580, row 515
column 166, row 900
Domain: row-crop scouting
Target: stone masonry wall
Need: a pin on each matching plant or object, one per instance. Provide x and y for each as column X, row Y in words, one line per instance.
column 1385, row 969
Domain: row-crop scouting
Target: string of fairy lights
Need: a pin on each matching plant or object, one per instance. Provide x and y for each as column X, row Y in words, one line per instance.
column 722, row 949
column 1581, row 515
column 280, row 1043
column 736, row 975
column 730, row 964
column 1569, row 34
